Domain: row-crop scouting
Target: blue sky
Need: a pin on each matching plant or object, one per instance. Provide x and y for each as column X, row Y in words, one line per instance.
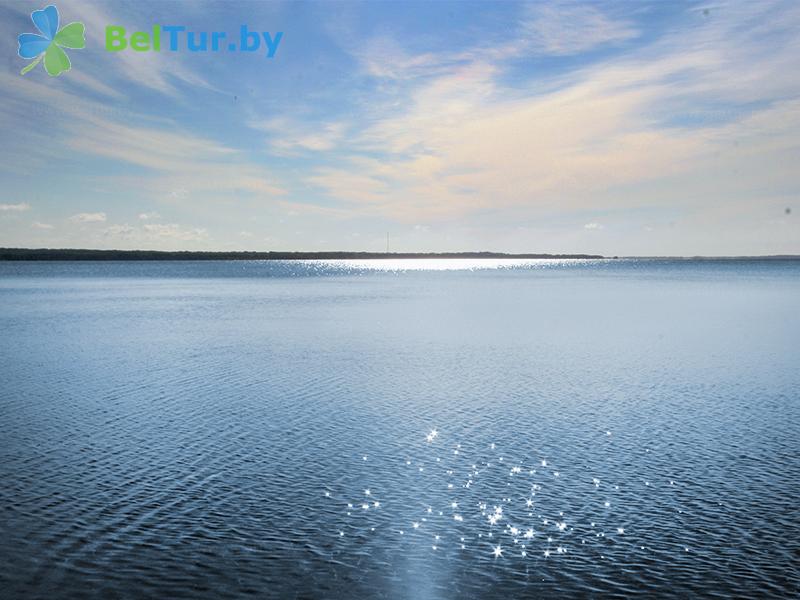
column 627, row 128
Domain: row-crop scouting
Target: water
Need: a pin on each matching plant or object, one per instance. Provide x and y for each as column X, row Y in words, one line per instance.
column 198, row 429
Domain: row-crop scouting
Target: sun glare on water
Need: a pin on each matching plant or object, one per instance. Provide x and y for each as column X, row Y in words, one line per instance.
column 449, row 264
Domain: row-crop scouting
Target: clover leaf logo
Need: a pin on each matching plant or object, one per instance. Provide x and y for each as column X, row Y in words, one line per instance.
column 50, row 44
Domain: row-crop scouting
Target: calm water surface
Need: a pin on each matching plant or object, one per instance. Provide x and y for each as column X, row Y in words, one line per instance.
column 403, row 429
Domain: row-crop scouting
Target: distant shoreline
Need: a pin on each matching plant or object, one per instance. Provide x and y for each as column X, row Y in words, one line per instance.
column 79, row 254
column 39, row 254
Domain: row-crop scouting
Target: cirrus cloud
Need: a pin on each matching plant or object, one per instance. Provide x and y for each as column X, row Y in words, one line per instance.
column 175, row 231
column 98, row 217
column 22, row 206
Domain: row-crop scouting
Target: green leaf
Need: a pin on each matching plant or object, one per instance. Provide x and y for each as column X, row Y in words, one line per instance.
column 71, row 36
column 32, row 64
column 56, row 61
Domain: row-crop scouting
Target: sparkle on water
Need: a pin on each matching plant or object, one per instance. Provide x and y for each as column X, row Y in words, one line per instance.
column 472, row 481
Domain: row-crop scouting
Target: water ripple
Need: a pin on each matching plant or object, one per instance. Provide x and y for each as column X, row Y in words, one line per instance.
column 212, row 430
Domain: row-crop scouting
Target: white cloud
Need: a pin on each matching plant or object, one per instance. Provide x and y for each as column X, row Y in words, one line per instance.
column 568, row 28
column 156, row 70
column 175, row 231
column 44, row 226
column 22, row 206
column 175, row 160
column 593, row 226
column 554, row 28
column 98, row 217
column 290, row 136
column 149, row 216
column 119, row 231
column 153, row 148
column 149, row 233
column 385, row 58
column 466, row 142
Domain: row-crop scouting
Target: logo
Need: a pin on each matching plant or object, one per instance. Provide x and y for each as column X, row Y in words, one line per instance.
column 194, row 41
column 51, row 43
column 48, row 45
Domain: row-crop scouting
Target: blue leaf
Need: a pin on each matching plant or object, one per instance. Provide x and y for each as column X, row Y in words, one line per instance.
column 32, row 45
column 46, row 20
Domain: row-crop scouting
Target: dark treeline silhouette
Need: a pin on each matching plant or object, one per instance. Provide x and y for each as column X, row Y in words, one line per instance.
column 78, row 254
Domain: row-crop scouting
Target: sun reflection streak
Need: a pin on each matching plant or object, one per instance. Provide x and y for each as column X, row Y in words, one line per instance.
column 449, row 264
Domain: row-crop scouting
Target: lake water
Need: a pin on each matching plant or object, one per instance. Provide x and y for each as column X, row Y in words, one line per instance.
column 400, row 429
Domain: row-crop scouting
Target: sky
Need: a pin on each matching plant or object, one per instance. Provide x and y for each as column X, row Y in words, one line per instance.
column 616, row 128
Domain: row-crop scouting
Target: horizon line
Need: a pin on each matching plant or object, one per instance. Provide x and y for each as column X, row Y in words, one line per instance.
column 89, row 254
